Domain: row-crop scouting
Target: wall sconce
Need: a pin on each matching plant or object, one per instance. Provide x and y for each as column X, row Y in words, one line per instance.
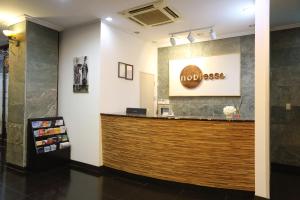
column 11, row 36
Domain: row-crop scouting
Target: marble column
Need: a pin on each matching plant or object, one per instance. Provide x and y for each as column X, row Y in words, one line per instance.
column 32, row 84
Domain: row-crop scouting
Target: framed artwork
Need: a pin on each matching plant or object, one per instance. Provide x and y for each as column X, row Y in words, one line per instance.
column 125, row 71
column 121, row 70
column 80, row 75
column 129, row 72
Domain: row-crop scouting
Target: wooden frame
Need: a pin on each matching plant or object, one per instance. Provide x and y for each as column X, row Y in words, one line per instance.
column 125, row 71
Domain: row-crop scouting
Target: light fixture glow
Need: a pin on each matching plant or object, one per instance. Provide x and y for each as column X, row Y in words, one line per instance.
column 9, row 33
column 172, row 41
column 9, row 19
column 108, row 19
column 11, row 36
column 212, row 34
column 190, row 37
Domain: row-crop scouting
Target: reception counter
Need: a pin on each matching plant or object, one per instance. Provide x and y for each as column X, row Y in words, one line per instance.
column 194, row 150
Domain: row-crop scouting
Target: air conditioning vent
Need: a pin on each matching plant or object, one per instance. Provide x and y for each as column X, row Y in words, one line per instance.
column 152, row 14
column 171, row 12
column 141, row 9
column 163, row 24
column 135, row 21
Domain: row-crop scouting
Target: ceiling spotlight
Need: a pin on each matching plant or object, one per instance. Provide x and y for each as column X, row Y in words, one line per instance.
column 212, row 34
column 172, row 41
column 190, row 37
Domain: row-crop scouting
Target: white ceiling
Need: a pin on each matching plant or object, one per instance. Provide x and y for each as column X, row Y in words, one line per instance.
column 227, row 15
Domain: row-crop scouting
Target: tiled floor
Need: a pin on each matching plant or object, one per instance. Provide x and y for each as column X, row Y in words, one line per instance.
column 70, row 184
column 67, row 183
column 285, row 185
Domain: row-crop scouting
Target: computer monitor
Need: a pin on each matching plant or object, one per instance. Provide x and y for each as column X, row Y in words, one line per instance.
column 136, row 111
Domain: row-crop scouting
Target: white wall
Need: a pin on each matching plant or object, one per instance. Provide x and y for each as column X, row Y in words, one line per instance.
column 105, row 46
column 81, row 111
column 262, row 98
column 118, row 46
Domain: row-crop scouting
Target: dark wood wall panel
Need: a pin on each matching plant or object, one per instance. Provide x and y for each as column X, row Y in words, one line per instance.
column 208, row 153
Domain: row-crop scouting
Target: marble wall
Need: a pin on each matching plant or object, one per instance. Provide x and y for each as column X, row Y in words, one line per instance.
column 32, row 85
column 285, row 89
column 210, row 106
column 16, row 103
column 41, row 71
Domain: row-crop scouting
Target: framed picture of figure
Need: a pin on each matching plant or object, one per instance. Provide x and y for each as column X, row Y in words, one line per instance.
column 80, row 75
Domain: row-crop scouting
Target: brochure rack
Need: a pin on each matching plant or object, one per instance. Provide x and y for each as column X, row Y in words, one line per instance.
column 47, row 143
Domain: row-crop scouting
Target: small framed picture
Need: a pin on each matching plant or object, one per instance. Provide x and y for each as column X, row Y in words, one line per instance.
column 129, row 72
column 122, row 70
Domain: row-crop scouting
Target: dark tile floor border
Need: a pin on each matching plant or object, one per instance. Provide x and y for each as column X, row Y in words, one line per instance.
column 87, row 168
column 285, row 168
column 94, row 170
column 16, row 168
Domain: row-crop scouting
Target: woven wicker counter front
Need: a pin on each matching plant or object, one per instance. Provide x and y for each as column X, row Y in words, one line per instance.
column 200, row 152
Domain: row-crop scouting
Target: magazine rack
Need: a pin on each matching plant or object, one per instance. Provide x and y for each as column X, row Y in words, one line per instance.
column 48, row 144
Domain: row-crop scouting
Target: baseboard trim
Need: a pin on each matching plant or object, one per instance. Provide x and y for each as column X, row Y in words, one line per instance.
column 260, row 198
column 91, row 169
column 16, row 168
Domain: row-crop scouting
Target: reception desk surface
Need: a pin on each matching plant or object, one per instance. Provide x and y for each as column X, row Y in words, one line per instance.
column 194, row 150
column 202, row 118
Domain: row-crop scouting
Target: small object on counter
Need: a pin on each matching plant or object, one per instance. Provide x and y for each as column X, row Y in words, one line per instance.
column 229, row 111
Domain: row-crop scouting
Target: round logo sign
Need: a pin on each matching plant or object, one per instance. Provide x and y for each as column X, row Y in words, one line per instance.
column 191, row 76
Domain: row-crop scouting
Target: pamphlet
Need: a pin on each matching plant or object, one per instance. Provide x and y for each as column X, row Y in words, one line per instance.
column 64, row 145
column 59, row 122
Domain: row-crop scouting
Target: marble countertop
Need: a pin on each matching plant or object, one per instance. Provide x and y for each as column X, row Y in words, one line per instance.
column 203, row 118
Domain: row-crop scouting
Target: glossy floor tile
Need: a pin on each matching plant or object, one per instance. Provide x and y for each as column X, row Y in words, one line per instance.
column 285, row 185
column 69, row 183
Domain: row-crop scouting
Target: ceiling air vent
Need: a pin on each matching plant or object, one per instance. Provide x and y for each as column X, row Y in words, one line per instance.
column 152, row 14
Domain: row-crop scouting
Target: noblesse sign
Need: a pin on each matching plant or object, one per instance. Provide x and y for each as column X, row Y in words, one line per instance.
column 191, row 76
column 205, row 76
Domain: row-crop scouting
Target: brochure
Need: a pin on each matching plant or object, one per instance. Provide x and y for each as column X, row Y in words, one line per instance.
column 59, row 122
column 36, row 124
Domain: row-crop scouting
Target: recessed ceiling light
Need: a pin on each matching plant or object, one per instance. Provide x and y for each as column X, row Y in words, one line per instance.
column 108, row 19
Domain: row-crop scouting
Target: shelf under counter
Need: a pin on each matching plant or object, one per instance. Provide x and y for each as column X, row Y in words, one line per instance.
column 206, row 152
